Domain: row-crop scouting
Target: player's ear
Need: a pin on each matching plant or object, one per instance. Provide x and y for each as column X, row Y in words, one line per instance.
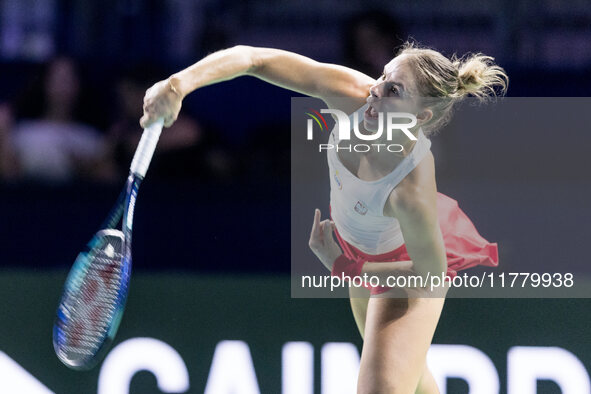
column 424, row 116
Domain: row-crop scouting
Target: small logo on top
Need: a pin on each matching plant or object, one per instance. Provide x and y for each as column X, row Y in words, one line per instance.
column 337, row 180
column 360, row 208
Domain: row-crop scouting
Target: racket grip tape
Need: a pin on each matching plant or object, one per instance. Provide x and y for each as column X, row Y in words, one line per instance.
column 145, row 149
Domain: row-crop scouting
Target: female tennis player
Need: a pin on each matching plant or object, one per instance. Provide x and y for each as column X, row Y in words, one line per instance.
column 386, row 212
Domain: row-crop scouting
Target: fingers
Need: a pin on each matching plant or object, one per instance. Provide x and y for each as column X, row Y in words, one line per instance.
column 317, row 215
column 322, row 242
column 321, row 231
column 149, row 116
column 153, row 112
column 314, row 234
column 169, row 121
column 146, row 120
column 326, row 228
column 160, row 102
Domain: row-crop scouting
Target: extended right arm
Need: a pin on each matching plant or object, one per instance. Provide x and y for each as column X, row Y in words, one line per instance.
column 282, row 68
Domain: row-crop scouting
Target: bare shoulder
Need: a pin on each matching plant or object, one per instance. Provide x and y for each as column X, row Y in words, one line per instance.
column 352, row 90
column 416, row 195
column 342, row 87
column 348, row 82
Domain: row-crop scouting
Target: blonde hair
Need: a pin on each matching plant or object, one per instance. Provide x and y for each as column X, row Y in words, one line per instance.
column 443, row 82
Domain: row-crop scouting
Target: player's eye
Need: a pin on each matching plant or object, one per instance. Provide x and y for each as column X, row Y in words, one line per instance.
column 394, row 90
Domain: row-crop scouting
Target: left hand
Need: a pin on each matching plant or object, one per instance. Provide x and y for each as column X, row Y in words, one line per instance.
column 322, row 242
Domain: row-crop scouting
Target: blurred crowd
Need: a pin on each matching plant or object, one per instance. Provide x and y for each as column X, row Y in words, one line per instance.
column 60, row 127
column 54, row 131
column 61, row 122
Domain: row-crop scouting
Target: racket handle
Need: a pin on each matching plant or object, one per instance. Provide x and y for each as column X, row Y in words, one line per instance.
column 145, row 149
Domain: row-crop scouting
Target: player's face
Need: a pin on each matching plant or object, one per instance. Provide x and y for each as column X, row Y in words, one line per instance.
column 392, row 92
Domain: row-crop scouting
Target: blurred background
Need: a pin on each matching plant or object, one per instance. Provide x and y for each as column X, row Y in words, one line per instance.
column 72, row 77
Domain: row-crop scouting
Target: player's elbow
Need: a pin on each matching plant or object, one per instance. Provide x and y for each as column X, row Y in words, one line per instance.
column 248, row 56
column 257, row 59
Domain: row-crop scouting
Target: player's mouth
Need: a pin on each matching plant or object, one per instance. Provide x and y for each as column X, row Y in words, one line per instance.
column 371, row 113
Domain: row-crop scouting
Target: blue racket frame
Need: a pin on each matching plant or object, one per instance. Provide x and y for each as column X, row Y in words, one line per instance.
column 123, row 209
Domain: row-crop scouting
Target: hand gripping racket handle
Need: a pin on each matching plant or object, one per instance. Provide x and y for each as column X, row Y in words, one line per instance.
column 145, row 149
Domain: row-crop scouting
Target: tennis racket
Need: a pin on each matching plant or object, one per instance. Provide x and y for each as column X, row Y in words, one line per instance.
column 93, row 299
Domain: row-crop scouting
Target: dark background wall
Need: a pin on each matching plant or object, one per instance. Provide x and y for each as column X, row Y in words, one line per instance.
column 544, row 46
column 209, row 230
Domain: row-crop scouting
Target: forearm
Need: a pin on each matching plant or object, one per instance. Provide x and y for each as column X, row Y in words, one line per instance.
column 398, row 268
column 217, row 67
column 391, row 268
column 343, row 265
column 281, row 68
column 386, row 273
column 383, row 270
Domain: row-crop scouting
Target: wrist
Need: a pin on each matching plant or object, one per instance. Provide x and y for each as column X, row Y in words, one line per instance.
column 331, row 258
column 175, row 84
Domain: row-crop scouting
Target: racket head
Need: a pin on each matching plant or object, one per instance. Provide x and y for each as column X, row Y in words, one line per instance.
column 93, row 300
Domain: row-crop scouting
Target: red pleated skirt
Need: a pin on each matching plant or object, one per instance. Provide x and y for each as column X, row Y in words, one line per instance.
column 465, row 247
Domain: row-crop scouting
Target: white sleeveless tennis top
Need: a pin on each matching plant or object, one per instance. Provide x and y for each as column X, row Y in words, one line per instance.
column 357, row 206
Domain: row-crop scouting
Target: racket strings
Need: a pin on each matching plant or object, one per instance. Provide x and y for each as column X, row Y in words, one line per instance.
column 90, row 306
